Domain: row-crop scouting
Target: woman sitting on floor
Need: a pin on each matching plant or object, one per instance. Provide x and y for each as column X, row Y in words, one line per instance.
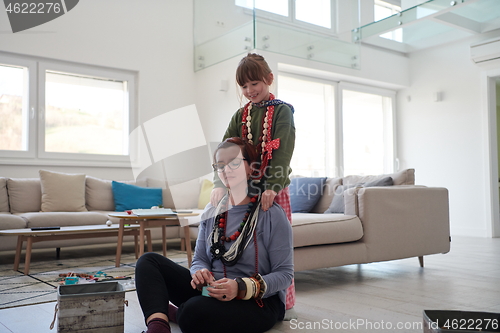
column 243, row 261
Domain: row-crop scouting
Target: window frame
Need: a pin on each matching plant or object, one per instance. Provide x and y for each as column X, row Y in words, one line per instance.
column 292, row 22
column 36, row 154
column 334, row 165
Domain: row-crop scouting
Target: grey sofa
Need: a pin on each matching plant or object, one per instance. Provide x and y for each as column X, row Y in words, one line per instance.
column 379, row 223
column 21, row 204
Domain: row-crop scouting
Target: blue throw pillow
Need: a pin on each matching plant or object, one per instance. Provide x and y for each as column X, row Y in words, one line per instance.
column 129, row 197
column 305, row 193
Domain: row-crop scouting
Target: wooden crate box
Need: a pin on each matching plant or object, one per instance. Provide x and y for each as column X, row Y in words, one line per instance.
column 91, row 308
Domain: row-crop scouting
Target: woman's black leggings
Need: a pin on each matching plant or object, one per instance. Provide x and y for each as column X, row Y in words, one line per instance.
column 160, row 281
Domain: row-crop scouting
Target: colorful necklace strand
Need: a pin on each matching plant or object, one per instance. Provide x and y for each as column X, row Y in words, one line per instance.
column 239, row 239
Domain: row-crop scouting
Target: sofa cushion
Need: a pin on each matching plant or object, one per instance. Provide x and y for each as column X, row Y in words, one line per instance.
column 63, row 219
column 25, row 194
column 338, row 205
column 205, row 191
column 99, row 193
column 9, row 221
column 4, row 197
column 166, row 195
column 305, row 192
column 127, row 196
column 179, row 196
column 62, row 192
column 331, row 185
column 403, row 177
column 317, row 229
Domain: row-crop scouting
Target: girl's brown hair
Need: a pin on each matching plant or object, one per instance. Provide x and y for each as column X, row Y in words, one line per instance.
column 247, row 149
column 253, row 67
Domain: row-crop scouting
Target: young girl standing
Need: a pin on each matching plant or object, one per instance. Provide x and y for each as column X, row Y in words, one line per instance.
column 267, row 123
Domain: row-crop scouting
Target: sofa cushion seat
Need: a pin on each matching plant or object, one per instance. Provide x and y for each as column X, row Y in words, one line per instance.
column 317, row 229
column 10, row 221
column 63, row 219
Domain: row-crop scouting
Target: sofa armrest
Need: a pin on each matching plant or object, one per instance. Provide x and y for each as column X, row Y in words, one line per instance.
column 401, row 221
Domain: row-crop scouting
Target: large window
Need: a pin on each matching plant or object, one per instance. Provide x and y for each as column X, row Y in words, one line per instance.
column 342, row 128
column 314, row 123
column 13, row 108
column 59, row 113
column 305, row 13
column 83, row 112
column 367, row 131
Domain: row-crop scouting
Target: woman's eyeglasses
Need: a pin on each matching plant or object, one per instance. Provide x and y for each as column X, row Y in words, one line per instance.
column 233, row 165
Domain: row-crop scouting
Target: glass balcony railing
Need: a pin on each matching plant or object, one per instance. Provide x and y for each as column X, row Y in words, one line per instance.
column 223, row 30
column 307, row 45
column 431, row 23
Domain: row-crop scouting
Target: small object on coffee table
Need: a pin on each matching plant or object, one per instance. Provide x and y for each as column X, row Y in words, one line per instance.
column 45, row 228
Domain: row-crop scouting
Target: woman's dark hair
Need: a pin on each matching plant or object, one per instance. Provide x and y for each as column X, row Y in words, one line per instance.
column 253, row 67
column 247, row 149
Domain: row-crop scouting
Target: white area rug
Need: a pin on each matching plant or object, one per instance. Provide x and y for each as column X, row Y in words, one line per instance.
column 40, row 286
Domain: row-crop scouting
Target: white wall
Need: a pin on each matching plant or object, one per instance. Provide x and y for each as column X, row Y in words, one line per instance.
column 153, row 38
column 445, row 141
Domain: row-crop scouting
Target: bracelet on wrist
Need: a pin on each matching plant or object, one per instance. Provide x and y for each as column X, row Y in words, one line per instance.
column 252, row 287
column 249, row 289
column 242, row 288
column 262, row 286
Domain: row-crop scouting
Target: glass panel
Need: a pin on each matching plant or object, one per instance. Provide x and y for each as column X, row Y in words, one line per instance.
column 314, row 153
column 228, row 31
column 384, row 9
column 13, row 108
column 395, row 35
column 365, row 133
column 481, row 11
column 406, row 16
column 308, row 45
column 85, row 115
column 423, row 31
column 317, row 12
column 232, row 29
column 432, row 23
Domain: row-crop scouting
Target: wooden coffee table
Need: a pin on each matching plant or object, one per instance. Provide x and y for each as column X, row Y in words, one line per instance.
column 152, row 221
column 87, row 231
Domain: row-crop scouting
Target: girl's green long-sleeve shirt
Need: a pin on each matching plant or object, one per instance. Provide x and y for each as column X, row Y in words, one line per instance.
column 276, row 176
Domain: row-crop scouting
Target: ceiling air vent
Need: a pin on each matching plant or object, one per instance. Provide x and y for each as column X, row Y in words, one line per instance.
column 485, row 51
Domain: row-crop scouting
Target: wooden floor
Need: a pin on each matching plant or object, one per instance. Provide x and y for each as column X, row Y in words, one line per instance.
column 378, row 297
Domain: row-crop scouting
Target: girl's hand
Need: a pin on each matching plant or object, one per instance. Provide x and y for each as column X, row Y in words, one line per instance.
column 267, row 199
column 224, row 289
column 217, row 194
column 201, row 278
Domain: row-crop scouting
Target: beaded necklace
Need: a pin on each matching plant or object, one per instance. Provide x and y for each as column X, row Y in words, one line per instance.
column 240, row 239
column 266, row 144
column 267, row 123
